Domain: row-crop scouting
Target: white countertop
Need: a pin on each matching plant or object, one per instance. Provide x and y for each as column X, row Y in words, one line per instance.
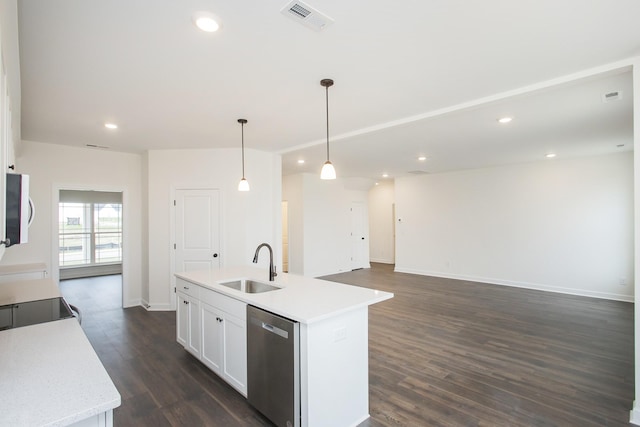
column 51, row 376
column 49, row 373
column 300, row 298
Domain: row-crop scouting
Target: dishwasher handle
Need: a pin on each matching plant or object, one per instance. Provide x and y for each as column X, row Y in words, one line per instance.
column 275, row 330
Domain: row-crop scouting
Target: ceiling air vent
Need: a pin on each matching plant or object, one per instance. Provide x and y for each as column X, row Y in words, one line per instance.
column 612, row 96
column 306, row 15
column 418, row 172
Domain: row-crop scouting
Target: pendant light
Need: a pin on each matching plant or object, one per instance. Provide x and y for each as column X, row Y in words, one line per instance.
column 244, row 184
column 328, row 171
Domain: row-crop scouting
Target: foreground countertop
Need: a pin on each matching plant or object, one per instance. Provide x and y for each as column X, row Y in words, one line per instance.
column 49, row 373
column 300, row 298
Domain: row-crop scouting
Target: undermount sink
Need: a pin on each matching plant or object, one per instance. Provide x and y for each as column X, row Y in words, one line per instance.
column 250, row 286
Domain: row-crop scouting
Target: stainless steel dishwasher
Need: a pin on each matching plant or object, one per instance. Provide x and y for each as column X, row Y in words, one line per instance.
column 273, row 366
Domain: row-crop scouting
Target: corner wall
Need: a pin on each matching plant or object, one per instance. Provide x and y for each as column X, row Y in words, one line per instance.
column 556, row 225
column 320, row 223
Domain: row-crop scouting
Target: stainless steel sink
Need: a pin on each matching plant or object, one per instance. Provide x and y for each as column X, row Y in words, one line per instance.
column 236, row 284
column 250, row 286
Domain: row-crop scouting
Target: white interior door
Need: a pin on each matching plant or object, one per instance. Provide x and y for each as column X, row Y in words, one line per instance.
column 358, row 237
column 197, row 228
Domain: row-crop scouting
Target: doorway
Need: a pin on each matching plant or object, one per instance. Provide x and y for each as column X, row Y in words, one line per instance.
column 88, row 240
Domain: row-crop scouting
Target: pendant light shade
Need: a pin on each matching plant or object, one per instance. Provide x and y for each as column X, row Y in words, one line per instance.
column 328, row 171
column 244, row 184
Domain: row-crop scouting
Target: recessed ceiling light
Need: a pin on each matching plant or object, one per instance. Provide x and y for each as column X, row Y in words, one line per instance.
column 505, row 119
column 111, row 126
column 385, row 175
column 206, row 21
column 377, row 183
column 550, row 155
column 422, row 158
column 301, row 161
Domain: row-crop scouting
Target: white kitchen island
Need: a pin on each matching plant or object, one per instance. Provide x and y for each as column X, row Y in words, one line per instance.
column 333, row 317
column 49, row 373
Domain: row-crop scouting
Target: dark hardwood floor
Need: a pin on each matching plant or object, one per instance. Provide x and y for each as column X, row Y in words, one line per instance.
column 442, row 353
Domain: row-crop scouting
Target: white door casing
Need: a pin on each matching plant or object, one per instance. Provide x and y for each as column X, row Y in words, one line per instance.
column 358, row 236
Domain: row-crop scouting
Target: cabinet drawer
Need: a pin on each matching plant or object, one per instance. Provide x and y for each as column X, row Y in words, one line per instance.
column 222, row 302
column 188, row 288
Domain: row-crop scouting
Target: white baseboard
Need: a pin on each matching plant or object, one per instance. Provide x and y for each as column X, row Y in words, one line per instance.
column 133, row 303
column 516, row 284
column 634, row 415
column 157, row 307
column 90, row 271
column 382, row 260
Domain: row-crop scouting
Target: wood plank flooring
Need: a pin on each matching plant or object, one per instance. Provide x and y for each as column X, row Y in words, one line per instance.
column 442, row 353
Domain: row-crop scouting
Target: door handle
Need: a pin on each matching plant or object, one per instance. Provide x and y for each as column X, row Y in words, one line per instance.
column 215, row 255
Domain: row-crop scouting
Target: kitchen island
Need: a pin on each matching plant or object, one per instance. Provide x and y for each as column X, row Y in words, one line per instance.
column 333, row 343
column 49, row 372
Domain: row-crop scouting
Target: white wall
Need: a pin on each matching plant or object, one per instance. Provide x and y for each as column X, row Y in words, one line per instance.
column 144, row 213
column 11, row 56
column 53, row 167
column 558, row 225
column 635, row 412
column 247, row 219
column 381, row 223
column 320, row 223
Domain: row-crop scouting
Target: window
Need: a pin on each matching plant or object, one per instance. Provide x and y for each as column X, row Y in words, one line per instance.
column 90, row 233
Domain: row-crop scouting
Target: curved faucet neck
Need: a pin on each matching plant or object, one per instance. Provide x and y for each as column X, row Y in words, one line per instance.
column 272, row 268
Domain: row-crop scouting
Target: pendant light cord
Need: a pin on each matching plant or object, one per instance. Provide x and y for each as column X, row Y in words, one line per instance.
column 242, row 150
column 327, row 98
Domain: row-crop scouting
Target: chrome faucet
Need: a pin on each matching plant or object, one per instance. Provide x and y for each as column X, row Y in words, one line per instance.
column 272, row 268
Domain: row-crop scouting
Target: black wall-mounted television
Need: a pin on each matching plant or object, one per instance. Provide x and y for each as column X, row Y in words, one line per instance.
column 17, row 209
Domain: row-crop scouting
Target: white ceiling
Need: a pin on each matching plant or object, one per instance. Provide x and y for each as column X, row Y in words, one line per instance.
column 396, row 65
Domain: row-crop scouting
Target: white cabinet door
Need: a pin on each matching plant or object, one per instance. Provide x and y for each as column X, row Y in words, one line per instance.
column 212, row 341
column 207, row 329
column 182, row 319
column 188, row 323
column 194, row 327
column 235, row 352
